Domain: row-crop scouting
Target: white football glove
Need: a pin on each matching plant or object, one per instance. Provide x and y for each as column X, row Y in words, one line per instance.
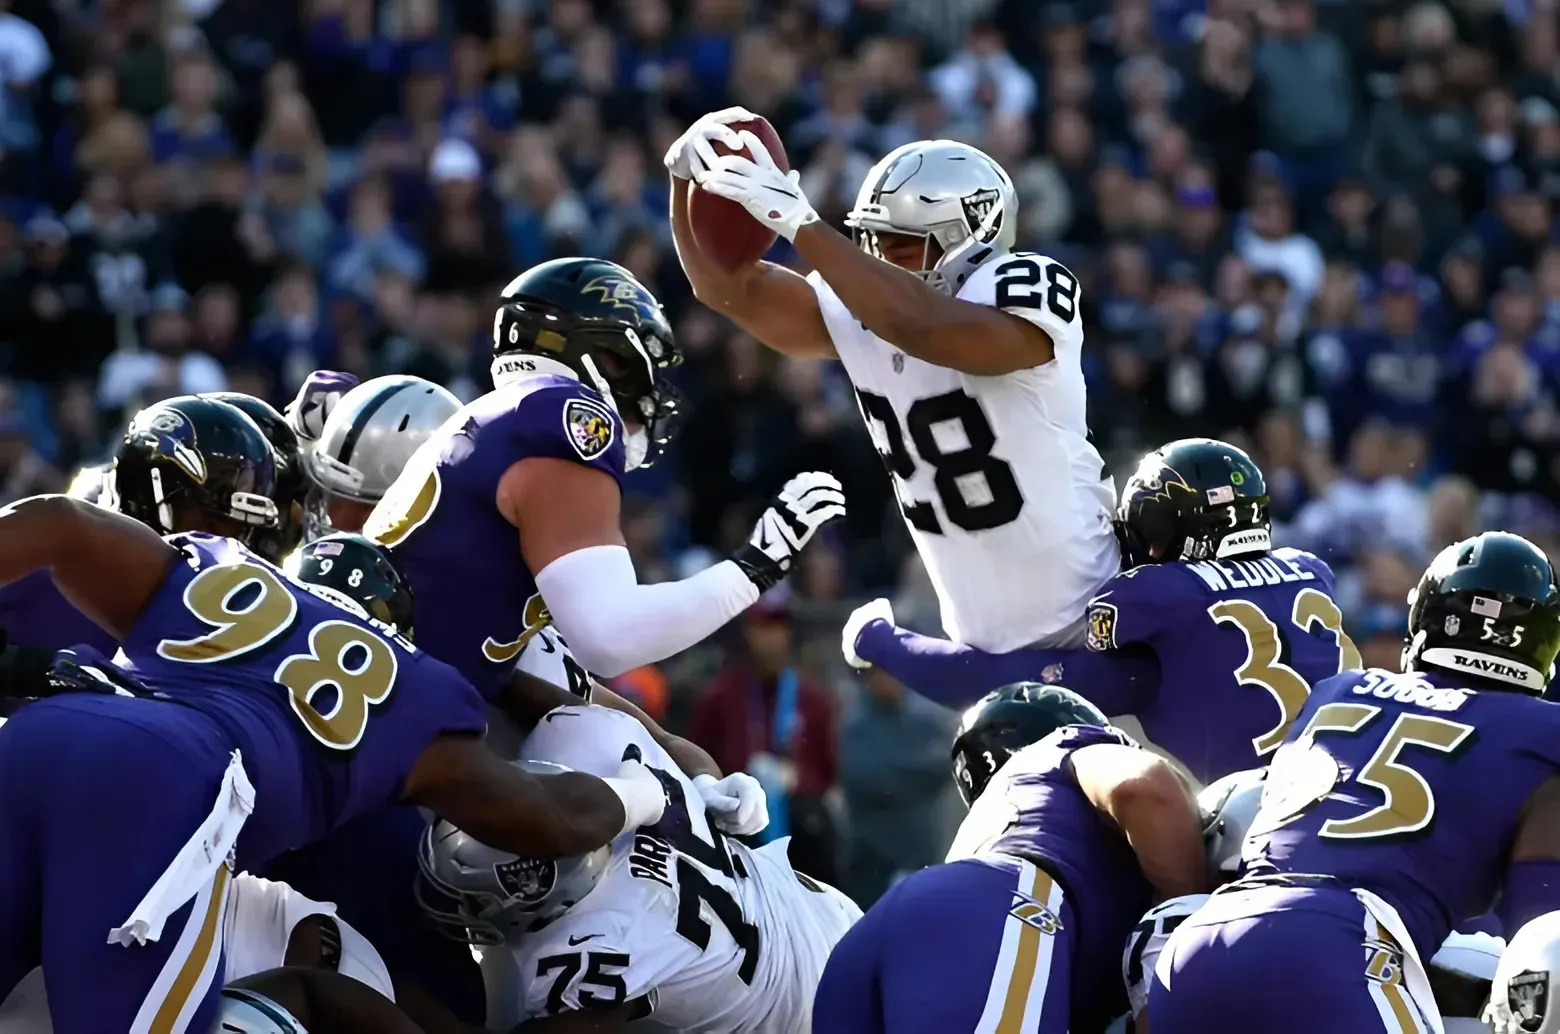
column 737, row 802
column 772, row 197
column 806, row 503
column 685, row 152
column 861, row 617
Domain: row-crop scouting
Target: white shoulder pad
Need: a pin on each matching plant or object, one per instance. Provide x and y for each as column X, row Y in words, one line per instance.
column 1148, row 940
column 1032, row 287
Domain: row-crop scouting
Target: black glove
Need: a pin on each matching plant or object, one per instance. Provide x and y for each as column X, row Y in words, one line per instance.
column 82, row 669
column 806, row 503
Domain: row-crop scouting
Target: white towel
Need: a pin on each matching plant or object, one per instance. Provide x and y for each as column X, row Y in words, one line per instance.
column 196, row 863
column 1415, row 979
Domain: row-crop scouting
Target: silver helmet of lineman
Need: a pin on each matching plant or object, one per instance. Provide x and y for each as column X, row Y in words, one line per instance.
column 942, row 191
column 1229, row 806
column 245, row 1012
column 370, row 435
column 480, row 895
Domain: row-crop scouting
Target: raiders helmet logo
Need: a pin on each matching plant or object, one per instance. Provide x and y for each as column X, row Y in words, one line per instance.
column 1527, row 995
column 527, row 879
column 978, row 208
column 588, row 426
column 1102, row 627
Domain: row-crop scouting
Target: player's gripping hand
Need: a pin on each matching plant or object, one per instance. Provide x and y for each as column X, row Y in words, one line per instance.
column 878, row 610
column 806, row 503
column 736, row 803
column 321, row 390
column 82, row 669
column 772, row 197
column 686, row 155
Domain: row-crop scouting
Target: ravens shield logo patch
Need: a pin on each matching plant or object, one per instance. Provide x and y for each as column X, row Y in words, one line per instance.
column 1102, row 626
column 588, row 426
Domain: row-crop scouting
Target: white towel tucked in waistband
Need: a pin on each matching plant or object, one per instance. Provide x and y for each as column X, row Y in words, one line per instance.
column 1415, row 980
column 196, row 863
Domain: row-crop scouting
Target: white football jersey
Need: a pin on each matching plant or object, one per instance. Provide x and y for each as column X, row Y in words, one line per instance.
column 704, row 933
column 1006, row 497
column 1147, row 942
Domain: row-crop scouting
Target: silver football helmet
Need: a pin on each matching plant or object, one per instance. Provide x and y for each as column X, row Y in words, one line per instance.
column 370, row 435
column 480, row 895
column 1525, row 998
column 244, row 1012
column 942, row 191
column 1229, row 806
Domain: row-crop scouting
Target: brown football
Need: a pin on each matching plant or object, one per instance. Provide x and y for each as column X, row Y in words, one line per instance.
column 723, row 229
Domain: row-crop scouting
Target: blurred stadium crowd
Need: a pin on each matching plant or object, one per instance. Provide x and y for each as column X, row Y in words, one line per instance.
column 1325, row 230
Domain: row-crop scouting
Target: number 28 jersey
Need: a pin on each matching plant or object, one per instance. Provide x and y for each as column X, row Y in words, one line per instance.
column 1406, row 785
column 1005, row 496
column 329, row 709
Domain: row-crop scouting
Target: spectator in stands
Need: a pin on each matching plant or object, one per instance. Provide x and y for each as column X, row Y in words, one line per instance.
column 764, row 717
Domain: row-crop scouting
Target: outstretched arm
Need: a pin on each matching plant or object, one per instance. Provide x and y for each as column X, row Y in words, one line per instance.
column 772, row 303
column 462, row 781
column 955, row 675
column 567, row 517
column 106, row 564
column 527, row 699
column 1154, row 809
column 907, row 312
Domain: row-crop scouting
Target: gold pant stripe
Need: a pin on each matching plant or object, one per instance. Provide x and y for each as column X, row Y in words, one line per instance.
column 1403, row 1012
column 195, row 962
column 1022, row 977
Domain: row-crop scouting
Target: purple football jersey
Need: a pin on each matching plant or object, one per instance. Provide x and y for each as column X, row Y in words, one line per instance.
column 1239, row 644
column 1034, row 809
column 329, row 708
column 1408, row 786
column 475, row 601
column 34, row 613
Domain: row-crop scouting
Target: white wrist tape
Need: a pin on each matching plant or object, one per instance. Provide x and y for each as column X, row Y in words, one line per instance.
column 644, row 801
column 612, row 623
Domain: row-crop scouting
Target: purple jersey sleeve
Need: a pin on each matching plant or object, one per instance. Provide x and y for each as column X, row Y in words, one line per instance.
column 956, row 675
column 568, row 421
column 1132, row 608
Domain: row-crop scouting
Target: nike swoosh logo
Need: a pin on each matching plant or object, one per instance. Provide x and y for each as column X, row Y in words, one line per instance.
column 777, row 190
column 560, row 714
column 581, row 940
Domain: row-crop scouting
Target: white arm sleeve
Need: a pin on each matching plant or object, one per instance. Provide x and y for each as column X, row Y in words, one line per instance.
column 612, row 623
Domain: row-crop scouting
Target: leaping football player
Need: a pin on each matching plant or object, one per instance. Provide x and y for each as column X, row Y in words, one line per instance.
column 1211, row 638
column 965, row 358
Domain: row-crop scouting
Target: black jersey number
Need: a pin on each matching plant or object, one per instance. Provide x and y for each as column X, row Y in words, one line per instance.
column 1018, row 286
column 609, row 987
column 694, row 890
column 978, row 491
